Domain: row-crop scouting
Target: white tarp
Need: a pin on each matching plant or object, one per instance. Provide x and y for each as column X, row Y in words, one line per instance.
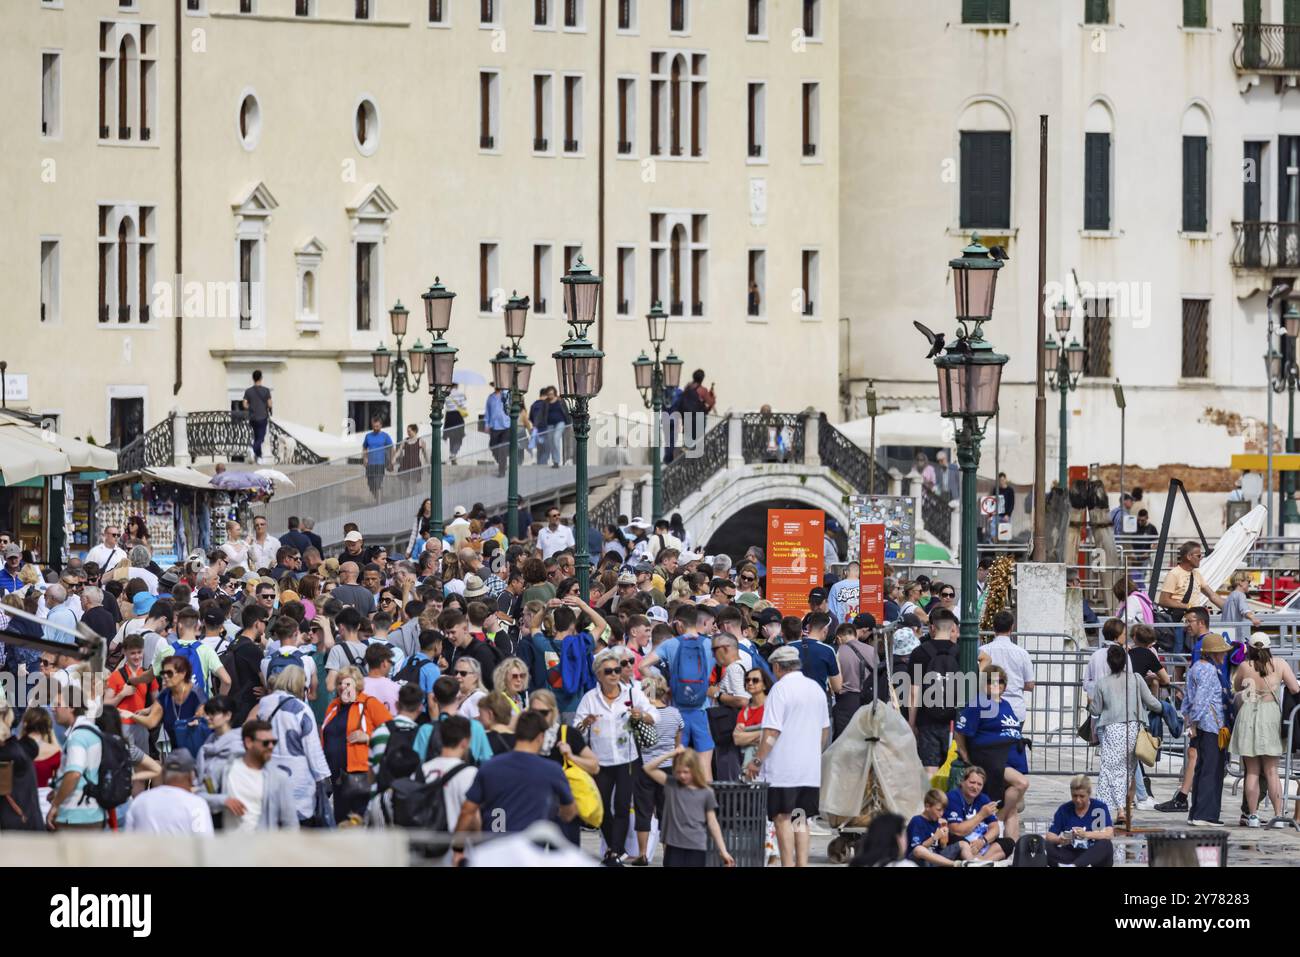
column 877, row 742
column 23, row 457
column 921, row 427
column 327, row 446
column 1231, row 550
column 81, row 455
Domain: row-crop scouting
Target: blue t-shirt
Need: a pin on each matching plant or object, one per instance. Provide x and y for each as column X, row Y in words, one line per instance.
column 429, row 672
column 376, row 445
column 1094, row 819
column 480, row 749
column 919, row 830
column 983, row 725
column 817, row 659
column 667, row 651
column 844, row 598
column 959, row 810
column 517, row 789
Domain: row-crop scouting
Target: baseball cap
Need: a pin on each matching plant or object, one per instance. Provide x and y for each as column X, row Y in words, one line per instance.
column 816, row 596
column 749, row 599
column 911, row 621
column 13, row 549
column 864, row 620
column 643, row 568
column 689, row 556
column 637, row 522
column 142, row 603
column 657, row 613
column 179, row 761
column 1260, row 640
column 459, row 510
column 353, row 536
column 784, row 655
column 213, row 616
column 769, row 616
column 627, row 578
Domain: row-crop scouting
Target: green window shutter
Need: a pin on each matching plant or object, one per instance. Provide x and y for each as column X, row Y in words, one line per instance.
column 985, row 180
column 999, row 11
column 974, row 11
column 1096, row 187
column 1194, row 13
column 1195, row 150
column 1096, row 11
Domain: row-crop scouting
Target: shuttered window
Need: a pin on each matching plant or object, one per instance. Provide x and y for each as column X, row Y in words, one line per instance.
column 1096, row 186
column 1196, row 338
column 1096, row 337
column 1194, row 13
column 986, row 180
column 986, row 11
column 1096, row 11
column 1195, row 184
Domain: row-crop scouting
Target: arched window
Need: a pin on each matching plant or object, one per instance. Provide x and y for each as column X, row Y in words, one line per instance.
column 985, row 144
column 126, row 239
column 250, row 121
column 127, row 86
column 1099, row 127
column 309, row 293
column 1196, row 159
column 366, row 129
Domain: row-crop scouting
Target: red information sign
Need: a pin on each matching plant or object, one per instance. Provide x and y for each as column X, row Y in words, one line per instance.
column 871, row 570
column 796, row 543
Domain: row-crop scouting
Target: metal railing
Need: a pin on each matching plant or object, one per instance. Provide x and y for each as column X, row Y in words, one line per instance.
column 154, row 448
column 772, row 437
column 1272, row 48
column 848, row 461
column 1261, row 245
column 686, row 474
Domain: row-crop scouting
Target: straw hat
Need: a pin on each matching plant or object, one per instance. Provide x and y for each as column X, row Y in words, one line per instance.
column 1213, row 644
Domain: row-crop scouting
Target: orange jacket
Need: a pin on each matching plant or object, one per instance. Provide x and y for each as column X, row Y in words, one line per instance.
column 370, row 714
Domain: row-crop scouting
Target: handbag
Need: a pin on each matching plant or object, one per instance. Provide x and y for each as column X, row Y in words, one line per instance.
column 1148, row 748
column 1088, row 731
column 645, row 734
column 1225, row 738
column 591, row 811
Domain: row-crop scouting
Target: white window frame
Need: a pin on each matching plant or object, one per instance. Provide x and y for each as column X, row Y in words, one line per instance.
column 145, row 243
column 307, row 260
column 123, row 392
column 548, row 114
column 553, row 15
column 814, row 124
column 685, row 31
column 249, row 143
column 582, row 18
column 52, row 95
column 370, row 147
column 370, row 217
column 688, row 81
column 252, row 224
column 634, row 20
column 495, row 22
column 672, row 218
column 819, row 22
column 53, row 283
column 445, row 22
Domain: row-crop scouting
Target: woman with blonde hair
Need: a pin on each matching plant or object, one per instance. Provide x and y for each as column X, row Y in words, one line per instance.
column 511, row 678
column 690, row 811
column 1235, row 610
column 20, row 806
column 345, row 736
column 1256, row 733
column 496, row 714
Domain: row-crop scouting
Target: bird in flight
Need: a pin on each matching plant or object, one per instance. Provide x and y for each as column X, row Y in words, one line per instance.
column 935, row 339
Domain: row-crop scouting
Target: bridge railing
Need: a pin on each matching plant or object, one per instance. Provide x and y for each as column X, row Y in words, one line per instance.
column 686, row 474
column 772, row 437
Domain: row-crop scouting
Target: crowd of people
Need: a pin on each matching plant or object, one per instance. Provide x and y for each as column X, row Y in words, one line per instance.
column 285, row 685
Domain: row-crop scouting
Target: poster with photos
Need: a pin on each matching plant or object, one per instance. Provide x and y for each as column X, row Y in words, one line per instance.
column 897, row 513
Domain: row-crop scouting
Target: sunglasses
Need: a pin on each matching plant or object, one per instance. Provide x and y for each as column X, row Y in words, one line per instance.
column 267, row 742
column 463, row 674
column 168, row 674
column 948, row 594
column 46, row 664
column 753, row 681
column 387, row 601
column 547, row 712
column 610, row 671
column 266, row 597
column 748, row 578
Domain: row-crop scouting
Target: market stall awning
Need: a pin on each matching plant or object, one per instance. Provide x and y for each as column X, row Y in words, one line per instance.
column 81, row 455
column 910, row 427
column 173, row 475
column 24, row 457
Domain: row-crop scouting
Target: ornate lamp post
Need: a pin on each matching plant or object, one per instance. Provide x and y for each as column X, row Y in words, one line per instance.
column 511, row 370
column 578, row 366
column 1065, row 365
column 393, row 372
column 653, row 376
column 440, row 368
column 970, row 375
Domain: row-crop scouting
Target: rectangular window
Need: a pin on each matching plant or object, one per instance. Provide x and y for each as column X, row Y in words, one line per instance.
column 437, row 11
column 247, row 259
column 699, row 280
column 811, row 118
column 571, row 254
column 812, row 19
column 699, row 116
column 757, row 282
column 148, row 96
column 542, row 270
column 811, row 269
column 986, row 180
column 1195, row 14
column 757, row 120
column 302, row 8
column 1195, row 184
column 367, row 285
column 363, row 9
column 487, row 275
column 657, row 273
column 145, row 263
column 656, row 121
column 626, row 280
column 677, row 16
column 541, row 13
column 1096, row 181
column 245, row 6
column 756, row 26
column 985, row 11
column 1096, row 11
column 573, row 14
column 627, row 15
column 51, row 68
column 49, row 280
column 1096, row 337
column 572, row 114
column 126, row 421
column 542, row 101
column 1196, row 338
column 487, row 12
column 626, row 116
column 489, row 113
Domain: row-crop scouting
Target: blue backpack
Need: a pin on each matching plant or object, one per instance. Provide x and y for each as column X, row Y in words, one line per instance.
column 190, row 652
column 284, row 659
column 689, row 672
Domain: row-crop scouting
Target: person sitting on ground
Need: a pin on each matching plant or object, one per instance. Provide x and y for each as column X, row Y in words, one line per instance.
column 928, row 843
column 972, row 818
column 1080, row 833
column 884, row 844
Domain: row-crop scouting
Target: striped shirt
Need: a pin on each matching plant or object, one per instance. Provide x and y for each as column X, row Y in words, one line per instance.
column 668, row 726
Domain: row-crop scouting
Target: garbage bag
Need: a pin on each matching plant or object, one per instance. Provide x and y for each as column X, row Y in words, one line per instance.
column 872, row 766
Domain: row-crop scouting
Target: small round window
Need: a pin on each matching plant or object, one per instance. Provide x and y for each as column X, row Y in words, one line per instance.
column 250, row 121
column 365, row 128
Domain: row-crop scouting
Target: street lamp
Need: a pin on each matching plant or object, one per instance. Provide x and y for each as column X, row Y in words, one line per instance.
column 653, row 376
column 440, row 368
column 1065, row 365
column 1283, row 377
column 872, row 410
column 393, row 372
column 578, row 367
column 511, row 370
column 970, row 375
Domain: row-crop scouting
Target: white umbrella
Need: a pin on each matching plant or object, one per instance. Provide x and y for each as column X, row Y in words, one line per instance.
column 1228, row 553
column 81, row 455
column 23, row 457
column 925, row 428
column 275, row 475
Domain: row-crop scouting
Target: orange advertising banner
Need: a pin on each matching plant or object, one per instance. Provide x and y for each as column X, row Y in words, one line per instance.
column 796, row 544
column 871, row 571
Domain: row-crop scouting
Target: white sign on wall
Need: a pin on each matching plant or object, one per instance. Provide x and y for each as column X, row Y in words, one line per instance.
column 758, row 202
column 15, row 389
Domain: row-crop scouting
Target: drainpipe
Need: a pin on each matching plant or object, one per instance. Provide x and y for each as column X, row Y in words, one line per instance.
column 176, row 199
column 600, row 186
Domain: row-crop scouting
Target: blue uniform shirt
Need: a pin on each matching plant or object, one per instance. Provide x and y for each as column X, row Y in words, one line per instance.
column 959, row 810
column 1095, row 818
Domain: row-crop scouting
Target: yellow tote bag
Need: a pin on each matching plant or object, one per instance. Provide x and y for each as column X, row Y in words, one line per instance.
column 940, row 779
column 590, row 809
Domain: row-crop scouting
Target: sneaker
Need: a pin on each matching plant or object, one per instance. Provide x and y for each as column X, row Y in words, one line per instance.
column 817, row 827
column 1252, row 821
column 1244, row 821
column 1176, row 803
column 1205, row 823
column 1279, row 823
column 1146, row 804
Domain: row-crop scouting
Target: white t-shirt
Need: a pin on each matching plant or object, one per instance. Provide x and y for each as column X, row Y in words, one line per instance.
column 237, row 552
column 796, row 707
column 263, row 553
column 551, row 542
column 1015, row 661
column 169, row 810
column 146, row 576
column 105, row 557
column 469, row 707
column 453, row 795
column 249, row 787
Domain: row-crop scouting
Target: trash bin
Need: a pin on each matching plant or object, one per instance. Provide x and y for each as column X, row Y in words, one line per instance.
column 742, row 817
column 1187, row 849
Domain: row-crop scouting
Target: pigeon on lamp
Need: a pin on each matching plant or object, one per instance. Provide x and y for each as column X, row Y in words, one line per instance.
column 999, row 253
column 934, row 338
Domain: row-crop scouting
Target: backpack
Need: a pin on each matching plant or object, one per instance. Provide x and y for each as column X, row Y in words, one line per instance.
column 689, row 672
column 420, row 804
column 399, row 738
column 1031, row 851
column 410, row 673
column 113, row 788
column 690, row 401
column 945, row 665
column 227, row 657
column 284, row 659
column 190, row 652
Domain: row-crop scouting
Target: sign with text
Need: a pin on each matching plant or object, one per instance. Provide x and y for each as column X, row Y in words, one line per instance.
column 796, row 544
column 871, row 570
column 897, row 513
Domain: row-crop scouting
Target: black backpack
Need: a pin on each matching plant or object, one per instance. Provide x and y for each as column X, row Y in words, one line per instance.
column 945, row 665
column 399, row 740
column 114, row 785
column 1031, row 851
column 419, row 804
column 410, row 673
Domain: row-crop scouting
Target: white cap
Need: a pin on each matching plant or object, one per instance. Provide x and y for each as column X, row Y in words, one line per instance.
column 459, row 510
column 1260, row 640
column 637, row 522
column 657, row 613
column 352, row 536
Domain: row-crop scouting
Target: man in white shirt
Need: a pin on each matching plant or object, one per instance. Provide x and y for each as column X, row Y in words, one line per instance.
column 262, row 547
column 258, row 794
column 173, row 808
column 454, row 731
column 107, row 553
column 1011, row 658
column 796, row 727
column 554, row 537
